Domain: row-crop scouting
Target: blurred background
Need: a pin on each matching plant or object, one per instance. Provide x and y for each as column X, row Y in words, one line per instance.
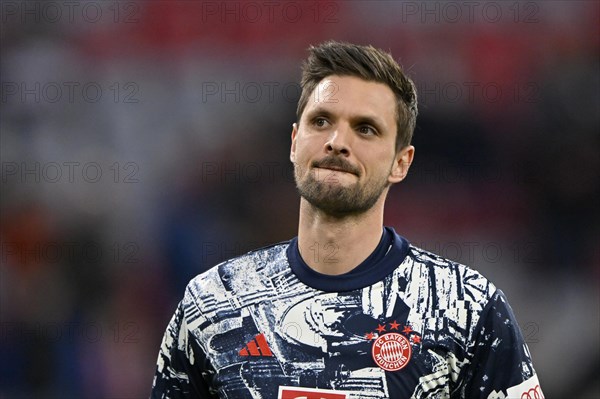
column 144, row 142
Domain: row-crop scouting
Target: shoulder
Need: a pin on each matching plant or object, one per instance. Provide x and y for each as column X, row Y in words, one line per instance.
column 252, row 272
column 448, row 282
column 258, row 261
column 447, row 299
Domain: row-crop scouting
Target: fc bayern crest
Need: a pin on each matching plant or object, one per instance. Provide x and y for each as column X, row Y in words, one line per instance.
column 391, row 351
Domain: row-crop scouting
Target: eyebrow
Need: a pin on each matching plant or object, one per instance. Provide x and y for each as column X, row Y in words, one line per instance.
column 319, row 111
column 356, row 119
column 368, row 120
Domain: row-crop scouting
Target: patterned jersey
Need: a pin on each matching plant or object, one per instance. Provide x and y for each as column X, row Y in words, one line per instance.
column 407, row 325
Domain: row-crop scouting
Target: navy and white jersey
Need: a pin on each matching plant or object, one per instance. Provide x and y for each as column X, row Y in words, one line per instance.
column 404, row 324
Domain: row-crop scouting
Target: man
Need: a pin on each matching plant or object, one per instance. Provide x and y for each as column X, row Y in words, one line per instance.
column 348, row 309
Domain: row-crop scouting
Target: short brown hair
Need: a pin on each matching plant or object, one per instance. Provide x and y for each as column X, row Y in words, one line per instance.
column 368, row 63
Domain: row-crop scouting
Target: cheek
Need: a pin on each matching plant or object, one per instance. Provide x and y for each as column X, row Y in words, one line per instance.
column 379, row 159
column 382, row 166
column 302, row 159
column 304, row 151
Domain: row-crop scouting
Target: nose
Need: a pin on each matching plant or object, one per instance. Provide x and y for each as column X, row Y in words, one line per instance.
column 339, row 141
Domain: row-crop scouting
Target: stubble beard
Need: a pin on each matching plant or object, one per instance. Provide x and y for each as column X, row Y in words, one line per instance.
column 337, row 200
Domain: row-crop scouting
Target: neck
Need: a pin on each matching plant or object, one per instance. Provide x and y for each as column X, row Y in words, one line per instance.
column 335, row 245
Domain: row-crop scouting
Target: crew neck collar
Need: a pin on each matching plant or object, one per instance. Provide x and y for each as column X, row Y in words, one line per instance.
column 389, row 253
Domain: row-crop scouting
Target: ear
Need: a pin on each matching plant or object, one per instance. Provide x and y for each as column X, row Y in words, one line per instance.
column 402, row 162
column 293, row 148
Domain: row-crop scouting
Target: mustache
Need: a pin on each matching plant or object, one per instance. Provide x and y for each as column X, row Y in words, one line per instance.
column 336, row 163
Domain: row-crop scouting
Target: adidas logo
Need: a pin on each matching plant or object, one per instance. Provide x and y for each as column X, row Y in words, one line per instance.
column 256, row 347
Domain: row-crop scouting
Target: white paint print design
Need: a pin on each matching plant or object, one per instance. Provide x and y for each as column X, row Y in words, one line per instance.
column 319, row 339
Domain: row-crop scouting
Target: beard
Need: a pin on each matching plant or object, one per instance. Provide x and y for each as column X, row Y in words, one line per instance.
column 334, row 199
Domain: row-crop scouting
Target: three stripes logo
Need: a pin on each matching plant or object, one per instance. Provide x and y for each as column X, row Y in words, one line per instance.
column 256, row 347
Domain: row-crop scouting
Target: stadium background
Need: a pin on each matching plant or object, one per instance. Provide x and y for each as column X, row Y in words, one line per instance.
column 142, row 143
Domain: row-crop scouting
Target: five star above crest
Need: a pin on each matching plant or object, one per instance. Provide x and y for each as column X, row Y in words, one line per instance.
column 407, row 330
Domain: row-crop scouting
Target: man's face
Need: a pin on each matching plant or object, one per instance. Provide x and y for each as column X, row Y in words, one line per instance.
column 343, row 149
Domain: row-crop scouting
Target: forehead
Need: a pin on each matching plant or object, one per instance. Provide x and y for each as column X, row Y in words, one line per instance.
column 354, row 96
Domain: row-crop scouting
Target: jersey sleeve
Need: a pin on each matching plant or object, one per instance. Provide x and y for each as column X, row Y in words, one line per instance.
column 182, row 367
column 501, row 366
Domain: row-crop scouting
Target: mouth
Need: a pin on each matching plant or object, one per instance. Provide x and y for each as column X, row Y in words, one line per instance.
column 336, row 166
column 334, row 169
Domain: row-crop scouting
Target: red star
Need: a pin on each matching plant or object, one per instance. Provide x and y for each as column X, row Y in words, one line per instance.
column 407, row 330
column 380, row 328
column 394, row 325
column 415, row 339
column 369, row 336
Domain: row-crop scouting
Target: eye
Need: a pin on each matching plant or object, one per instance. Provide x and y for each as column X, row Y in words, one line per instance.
column 320, row 122
column 367, row 130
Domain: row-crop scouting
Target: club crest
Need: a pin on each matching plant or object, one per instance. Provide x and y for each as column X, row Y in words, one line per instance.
column 392, row 351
